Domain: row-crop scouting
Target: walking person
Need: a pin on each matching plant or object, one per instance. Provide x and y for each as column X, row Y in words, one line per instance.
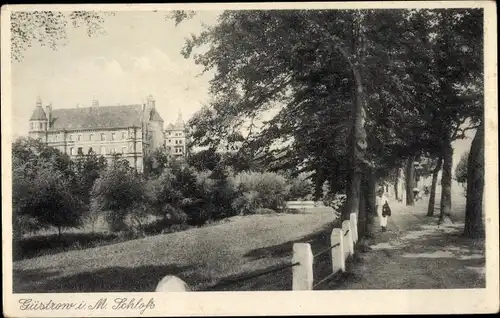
column 383, row 209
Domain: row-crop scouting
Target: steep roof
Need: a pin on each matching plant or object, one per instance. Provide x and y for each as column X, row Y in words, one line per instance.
column 97, row 117
column 38, row 114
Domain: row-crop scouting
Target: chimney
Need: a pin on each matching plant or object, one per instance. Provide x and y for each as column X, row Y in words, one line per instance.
column 48, row 112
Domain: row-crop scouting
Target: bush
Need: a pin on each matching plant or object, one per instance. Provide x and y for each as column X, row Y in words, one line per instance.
column 121, row 191
column 300, row 188
column 259, row 190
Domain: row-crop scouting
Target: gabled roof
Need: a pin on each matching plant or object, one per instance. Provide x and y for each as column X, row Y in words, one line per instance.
column 38, row 114
column 97, row 117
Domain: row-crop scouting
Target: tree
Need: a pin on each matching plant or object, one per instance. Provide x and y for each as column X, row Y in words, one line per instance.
column 121, row 191
column 432, row 197
column 323, row 78
column 155, row 162
column 396, row 70
column 88, row 168
column 204, row 160
column 475, row 186
column 45, row 191
column 49, row 28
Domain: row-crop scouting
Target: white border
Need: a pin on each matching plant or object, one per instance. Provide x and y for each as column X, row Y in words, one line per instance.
column 278, row 303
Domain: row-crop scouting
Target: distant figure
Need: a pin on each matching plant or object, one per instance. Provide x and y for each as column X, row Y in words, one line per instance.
column 416, row 191
column 426, row 190
column 383, row 209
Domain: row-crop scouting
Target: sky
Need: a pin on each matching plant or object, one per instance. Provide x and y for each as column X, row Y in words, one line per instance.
column 139, row 55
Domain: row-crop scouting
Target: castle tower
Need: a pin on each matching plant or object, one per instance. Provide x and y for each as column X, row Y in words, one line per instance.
column 38, row 122
column 154, row 124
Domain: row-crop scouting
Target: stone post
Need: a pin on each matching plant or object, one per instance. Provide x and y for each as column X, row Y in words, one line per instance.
column 302, row 273
column 338, row 256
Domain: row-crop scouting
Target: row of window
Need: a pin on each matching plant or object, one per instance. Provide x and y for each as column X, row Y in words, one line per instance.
column 177, row 134
column 40, row 126
column 177, row 141
column 103, row 151
column 90, row 137
column 103, row 136
column 176, row 149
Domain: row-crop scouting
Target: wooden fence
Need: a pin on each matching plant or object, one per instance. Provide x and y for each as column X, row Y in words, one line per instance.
column 342, row 242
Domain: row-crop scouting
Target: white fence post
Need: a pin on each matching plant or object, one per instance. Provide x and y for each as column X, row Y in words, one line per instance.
column 302, row 273
column 348, row 244
column 338, row 256
column 171, row 283
column 354, row 226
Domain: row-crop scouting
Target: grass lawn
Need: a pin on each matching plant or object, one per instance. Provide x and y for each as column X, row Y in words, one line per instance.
column 199, row 256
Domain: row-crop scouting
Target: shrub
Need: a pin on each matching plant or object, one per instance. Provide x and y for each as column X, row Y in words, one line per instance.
column 121, row 191
column 247, row 202
column 264, row 211
column 45, row 189
column 259, row 190
column 300, row 188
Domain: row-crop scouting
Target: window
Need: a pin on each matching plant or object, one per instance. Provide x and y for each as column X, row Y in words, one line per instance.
column 31, row 126
column 180, row 142
column 91, row 136
column 103, row 136
column 124, row 135
column 112, row 136
column 79, row 137
column 170, row 141
column 103, row 150
column 55, row 137
column 72, row 151
column 124, row 149
column 70, row 137
column 40, row 126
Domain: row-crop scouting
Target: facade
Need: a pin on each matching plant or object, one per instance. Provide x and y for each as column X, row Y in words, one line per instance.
column 176, row 139
column 130, row 130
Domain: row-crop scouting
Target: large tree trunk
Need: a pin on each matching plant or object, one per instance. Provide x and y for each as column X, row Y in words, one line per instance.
column 445, row 205
column 369, row 192
column 409, row 176
column 432, row 198
column 396, row 184
column 357, row 138
column 318, row 185
column 474, row 227
column 362, row 222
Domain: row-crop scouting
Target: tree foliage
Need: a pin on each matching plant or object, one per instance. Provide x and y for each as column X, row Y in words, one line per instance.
column 121, row 192
column 300, row 62
column 45, row 188
column 461, row 169
column 49, row 28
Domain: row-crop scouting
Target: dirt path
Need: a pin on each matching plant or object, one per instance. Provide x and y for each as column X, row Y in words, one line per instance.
column 417, row 254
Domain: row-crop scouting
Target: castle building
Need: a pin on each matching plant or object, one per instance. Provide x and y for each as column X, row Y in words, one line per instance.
column 176, row 139
column 130, row 130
